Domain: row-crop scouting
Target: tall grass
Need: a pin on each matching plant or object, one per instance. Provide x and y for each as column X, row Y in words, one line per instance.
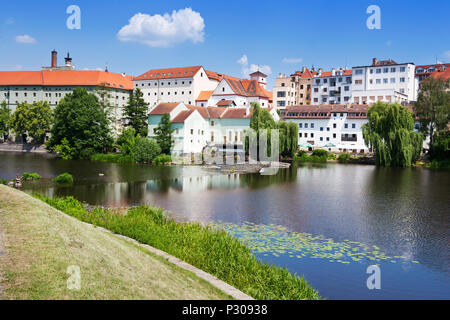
column 207, row 248
column 63, row 178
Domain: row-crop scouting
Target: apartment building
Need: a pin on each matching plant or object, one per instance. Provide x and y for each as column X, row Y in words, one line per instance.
column 386, row 81
column 294, row 89
column 424, row 71
column 332, row 87
column 53, row 83
column 335, row 127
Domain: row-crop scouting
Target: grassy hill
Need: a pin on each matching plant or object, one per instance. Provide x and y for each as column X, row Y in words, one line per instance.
column 38, row 243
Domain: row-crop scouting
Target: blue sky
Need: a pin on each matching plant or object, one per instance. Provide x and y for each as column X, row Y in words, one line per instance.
column 280, row 35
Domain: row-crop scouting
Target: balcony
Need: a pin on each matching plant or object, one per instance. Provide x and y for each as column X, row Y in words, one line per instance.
column 346, row 137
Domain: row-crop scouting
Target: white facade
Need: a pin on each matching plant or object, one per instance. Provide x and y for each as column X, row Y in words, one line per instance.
column 322, row 125
column 174, row 85
column 333, row 87
column 384, row 81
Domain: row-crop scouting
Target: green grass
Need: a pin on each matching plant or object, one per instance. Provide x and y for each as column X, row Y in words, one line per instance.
column 438, row 164
column 112, row 157
column 63, row 178
column 40, row 243
column 344, row 157
column 205, row 247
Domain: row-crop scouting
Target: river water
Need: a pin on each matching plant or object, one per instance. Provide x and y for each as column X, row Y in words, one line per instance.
column 328, row 222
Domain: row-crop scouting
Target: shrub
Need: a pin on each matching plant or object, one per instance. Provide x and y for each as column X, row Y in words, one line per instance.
column 301, row 153
column 64, row 149
column 4, row 181
column 162, row 159
column 320, row 153
column 30, row 176
column 146, row 150
column 344, row 157
column 63, row 178
column 331, row 156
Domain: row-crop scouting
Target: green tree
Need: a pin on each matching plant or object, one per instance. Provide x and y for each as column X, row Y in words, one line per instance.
column 5, row 116
column 135, row 112
column 288, row 132
column 164, row 134
column 81, row 120
column 126, row 142
column 390, row 134
column 35, row 119
column 146, row 149
column 104, row 98
column 433, row 107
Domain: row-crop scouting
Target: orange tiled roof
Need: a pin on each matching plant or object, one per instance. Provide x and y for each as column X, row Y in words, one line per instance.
column 218, row 76
column 204, row 96
column 236, row 113
column 164, row 108
column 439, row 67
column 169, row 73
column 182, row 116
column 445, row 75
column 329, row 74
column 66, row 78
column 248, row 88
column 224, row 103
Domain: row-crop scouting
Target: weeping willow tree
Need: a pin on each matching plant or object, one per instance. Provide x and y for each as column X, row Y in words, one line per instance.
column 390, row 134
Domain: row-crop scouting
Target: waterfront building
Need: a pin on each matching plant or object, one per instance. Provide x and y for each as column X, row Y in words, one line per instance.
column 334, row 127
column 386, row 81
column 332, row 87
column 196, row 127
column 53, row 83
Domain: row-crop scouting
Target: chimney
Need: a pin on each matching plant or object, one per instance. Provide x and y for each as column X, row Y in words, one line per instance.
column 68, row 60
column 374, row 61
column 54, row 59
column 304, row 69
column 333, row 72
column 320, row 71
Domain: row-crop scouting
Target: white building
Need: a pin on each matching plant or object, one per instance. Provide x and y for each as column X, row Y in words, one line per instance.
column 332, row 87
column 53, row 83
column 385, row 81
column 199, row 127
column 235, row 92
column 332, row 127
column 175, row 84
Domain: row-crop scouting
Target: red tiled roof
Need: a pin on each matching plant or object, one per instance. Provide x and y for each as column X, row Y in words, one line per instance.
column 224, row 103
column 324, row 111
column 182, row 116
column 329, row 74
column 236, row 113
column 248, row 88
column 204, row 96
column 439, row 67
column 445, row 75
column 169, row 73
column 164, row 108
column 218, row 76
column 66, row 78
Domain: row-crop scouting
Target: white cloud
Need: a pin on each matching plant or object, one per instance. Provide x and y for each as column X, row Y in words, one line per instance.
column 25, row 39
column 246, row 69
column 292, row 60
column 164, row 30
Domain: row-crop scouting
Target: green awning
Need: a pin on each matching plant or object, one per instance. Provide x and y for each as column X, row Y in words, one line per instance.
column 330, row 145
column 306, row 145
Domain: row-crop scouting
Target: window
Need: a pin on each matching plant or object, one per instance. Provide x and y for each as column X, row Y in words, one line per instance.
column 392, row 80
column 358, row 81
column 385, row 70
column 353, row 125
column 280, row 94
column 378, row 70
column 358, row 71
column 346, row 88
column 321, row 138
column 378, row 81
column 402, row 69
column 402, row 79
column 300, row 125
column 385, row 80
column 328, row 128
column 312, row 125
column 316, row 89
column 346, row 126
column 334, row 125
column 306, row 135
column 212, row 123
column 334, row 135
column 306, row 126
column 312, row 135
column 393, row 69
column 192, row 131
column 321, row 128
column 300, row 135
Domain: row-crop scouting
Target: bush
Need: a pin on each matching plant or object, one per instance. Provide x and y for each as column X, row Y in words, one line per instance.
column 64, row 178
column 320, row 153
column 30, row 176
column 344, row 157
column 162, row 159
column 146, row 150
column 301, row 153
column 204, row 247
column 4, row 181
column 331, row 156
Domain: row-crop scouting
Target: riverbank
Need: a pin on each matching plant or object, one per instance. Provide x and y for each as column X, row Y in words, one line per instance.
column 39, row 243
column 28, row 148
column 204, row 247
